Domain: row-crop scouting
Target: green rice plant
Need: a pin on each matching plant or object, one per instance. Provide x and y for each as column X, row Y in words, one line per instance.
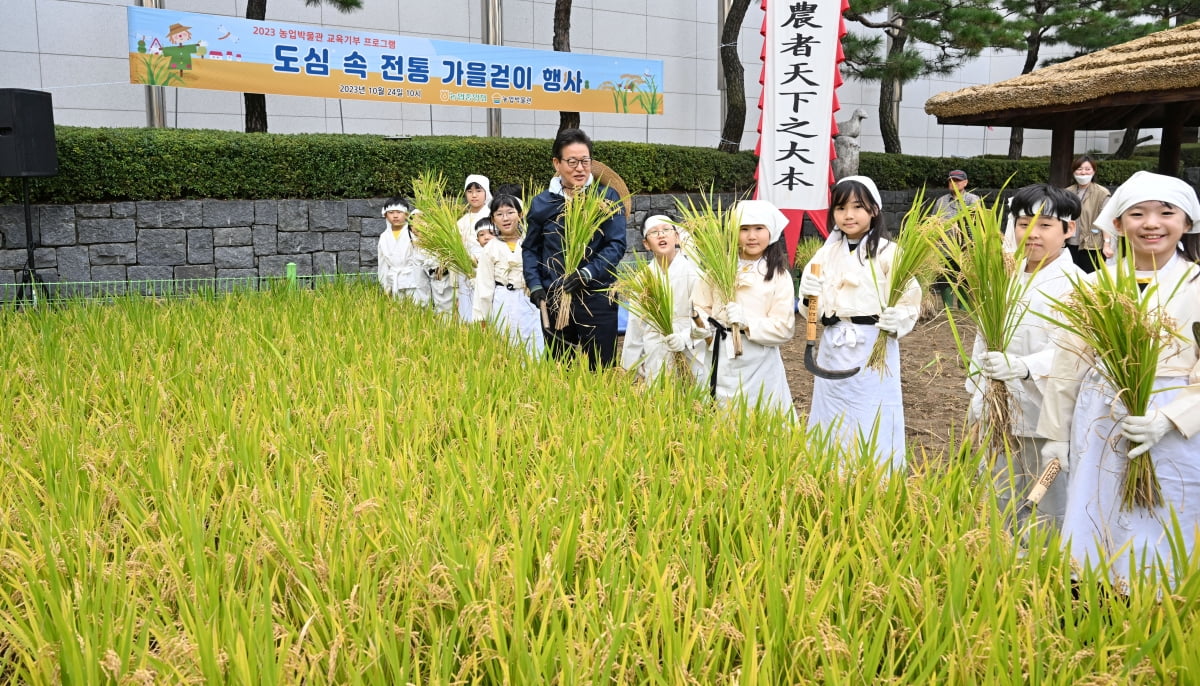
column 712, row 245
column 921, row 232
column 437, row 224
column 1121, row 332
column 248, row 489
column 806, row 248
column 646, row 293
column 991, row 290
column 583, row 213
column 530, row 190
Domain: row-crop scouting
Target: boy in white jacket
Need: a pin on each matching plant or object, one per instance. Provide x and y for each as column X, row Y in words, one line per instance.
column 645, row 350
column 1042, row 217
column 400, row 265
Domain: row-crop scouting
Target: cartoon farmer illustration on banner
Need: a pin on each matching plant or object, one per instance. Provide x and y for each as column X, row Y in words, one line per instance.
column 180, row 52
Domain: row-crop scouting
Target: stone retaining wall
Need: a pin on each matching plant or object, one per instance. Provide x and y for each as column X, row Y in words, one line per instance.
column 205, row 239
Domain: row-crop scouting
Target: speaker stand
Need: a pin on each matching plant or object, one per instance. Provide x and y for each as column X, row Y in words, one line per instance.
column 31, row 290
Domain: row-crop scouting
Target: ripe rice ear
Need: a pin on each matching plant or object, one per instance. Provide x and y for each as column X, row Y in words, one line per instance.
column 646, row 294
column 437, row 224
column 1122, row 324
column 713, row 246
column 991, row 290
column 916, row 254
column 583, row 214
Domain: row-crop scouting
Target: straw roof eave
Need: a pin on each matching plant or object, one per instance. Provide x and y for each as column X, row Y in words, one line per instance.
column 1146, row 82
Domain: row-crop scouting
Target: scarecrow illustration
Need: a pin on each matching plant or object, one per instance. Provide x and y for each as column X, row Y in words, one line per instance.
column 180, row 52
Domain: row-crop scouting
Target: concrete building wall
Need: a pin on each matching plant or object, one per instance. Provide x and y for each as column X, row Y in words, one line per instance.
column 75, row 49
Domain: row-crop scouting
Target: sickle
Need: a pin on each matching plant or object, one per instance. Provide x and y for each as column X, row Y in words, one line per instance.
column 810, row 358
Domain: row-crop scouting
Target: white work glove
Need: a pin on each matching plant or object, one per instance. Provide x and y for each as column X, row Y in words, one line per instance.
column 700, row 332
column 1146, row 430
column 996, row 365
column 676, row 342
column 811, row 285
column 889, row 321
column 735, row 315
column 1057, row 450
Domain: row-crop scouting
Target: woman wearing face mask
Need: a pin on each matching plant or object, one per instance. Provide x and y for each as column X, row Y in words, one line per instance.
column 1089, row 246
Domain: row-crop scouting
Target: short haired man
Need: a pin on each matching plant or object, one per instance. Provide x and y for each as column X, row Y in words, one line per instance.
column 593, row 318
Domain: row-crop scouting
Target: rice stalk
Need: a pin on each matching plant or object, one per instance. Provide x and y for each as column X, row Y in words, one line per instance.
column 991, row 290
column 806, row 248
column 584, row 212
column 238, row 489
column 1126, row 330
column 646, row 293
column 437, row 224
column 920, row 234
column 713, row 246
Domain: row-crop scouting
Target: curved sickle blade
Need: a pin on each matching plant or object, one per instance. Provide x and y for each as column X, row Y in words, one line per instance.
column 810, row 360
column 810, row 363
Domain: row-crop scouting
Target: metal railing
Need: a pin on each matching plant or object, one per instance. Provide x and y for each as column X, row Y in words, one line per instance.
column 13, row 295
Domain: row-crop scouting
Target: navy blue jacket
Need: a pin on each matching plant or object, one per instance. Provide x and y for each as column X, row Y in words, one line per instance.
column 542, row 249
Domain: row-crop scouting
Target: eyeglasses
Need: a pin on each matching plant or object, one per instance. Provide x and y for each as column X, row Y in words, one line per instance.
column 508, row 213
column 575, row 163
column 657, row 233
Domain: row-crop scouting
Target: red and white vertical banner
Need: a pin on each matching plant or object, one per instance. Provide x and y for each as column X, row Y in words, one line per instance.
column 802, row 46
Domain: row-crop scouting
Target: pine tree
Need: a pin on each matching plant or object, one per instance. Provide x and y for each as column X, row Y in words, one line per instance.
column 957, row 30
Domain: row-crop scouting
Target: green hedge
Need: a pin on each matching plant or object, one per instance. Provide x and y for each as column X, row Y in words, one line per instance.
column 897, row 172
column 98, row 165
column 101, row 165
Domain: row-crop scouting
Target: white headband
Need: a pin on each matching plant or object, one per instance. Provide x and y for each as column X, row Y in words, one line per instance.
column 761, row 212
column 655, row 220
column 395, row 207
column 1040, row 208
column 871, row 188
column 1143, row 186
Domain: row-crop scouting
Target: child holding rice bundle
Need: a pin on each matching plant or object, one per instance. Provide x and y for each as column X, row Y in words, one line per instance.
column 1041, row 218
column 479, row 196
column 1085, row 418
column 763, row 307
column 866, row 409
column 645, row 350
column 500, row 294
column 400, row 264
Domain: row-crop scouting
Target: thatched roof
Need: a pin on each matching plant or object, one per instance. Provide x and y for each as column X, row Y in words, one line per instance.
column 1144, row 82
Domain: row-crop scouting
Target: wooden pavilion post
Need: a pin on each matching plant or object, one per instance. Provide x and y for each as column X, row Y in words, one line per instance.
column 1172, row 138
column 1062, row 150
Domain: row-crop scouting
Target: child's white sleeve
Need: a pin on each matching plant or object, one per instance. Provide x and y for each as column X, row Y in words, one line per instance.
column 909, row 306
column 1184, row 410
column 1061, row 391
column 485, row 287
column 779, row 324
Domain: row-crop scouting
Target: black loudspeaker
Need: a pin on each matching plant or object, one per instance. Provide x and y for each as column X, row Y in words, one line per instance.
column 27, row 133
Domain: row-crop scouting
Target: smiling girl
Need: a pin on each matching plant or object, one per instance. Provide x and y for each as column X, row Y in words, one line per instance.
column 1155, row 219
column 764, row 306
column 865, row 412
column 500, row 295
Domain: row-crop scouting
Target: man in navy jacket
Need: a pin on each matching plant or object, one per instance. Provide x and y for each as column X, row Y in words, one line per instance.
column 593, row 321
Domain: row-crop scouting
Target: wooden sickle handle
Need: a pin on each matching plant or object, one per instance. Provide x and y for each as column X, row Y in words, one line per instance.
column 810, row 331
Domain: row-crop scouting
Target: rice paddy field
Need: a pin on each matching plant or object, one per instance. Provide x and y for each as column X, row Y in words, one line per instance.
column 326, row 486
